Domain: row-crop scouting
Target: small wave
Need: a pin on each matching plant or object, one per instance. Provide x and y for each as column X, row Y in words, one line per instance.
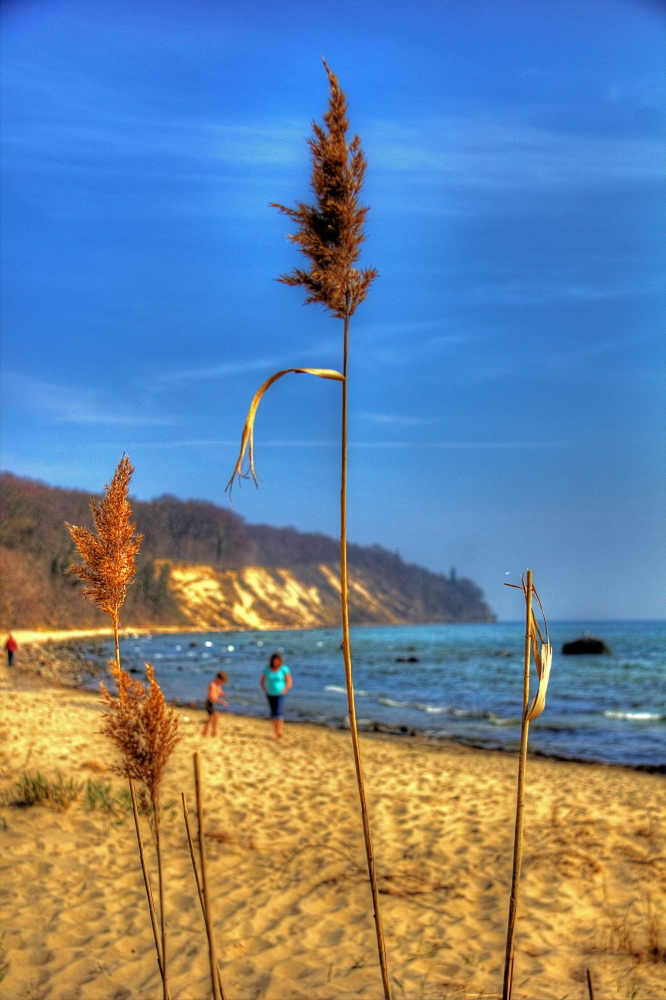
column 432, row 709
column 497, row 720
column 334, row 687
column 393, row 704
column 640, row 716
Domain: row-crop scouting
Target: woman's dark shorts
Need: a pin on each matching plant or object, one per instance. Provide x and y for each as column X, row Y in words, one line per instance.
column 276, row 701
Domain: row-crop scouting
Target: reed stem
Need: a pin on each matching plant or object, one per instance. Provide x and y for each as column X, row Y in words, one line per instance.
column 186, row 816
column 346, row 650
column 520, row 801
column 214, row 971
column 160, row 886
column 115, row 638
column 590, row 988
column 149, row 891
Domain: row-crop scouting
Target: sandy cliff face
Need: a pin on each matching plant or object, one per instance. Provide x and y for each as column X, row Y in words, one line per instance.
column 257, row 597
column 202, row 566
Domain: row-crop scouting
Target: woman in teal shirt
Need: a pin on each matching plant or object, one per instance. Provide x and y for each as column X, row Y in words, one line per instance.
column 275, row 682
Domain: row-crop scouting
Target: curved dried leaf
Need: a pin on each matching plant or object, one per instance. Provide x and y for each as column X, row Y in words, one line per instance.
column 544, row 661
column 247, row 438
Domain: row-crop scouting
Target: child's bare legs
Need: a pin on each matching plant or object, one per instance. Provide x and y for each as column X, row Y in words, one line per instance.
column 210, row 726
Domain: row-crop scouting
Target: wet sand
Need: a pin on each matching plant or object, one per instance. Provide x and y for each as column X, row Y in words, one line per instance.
column 292, row 905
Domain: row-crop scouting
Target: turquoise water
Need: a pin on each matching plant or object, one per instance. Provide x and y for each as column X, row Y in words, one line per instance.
column 466, row 685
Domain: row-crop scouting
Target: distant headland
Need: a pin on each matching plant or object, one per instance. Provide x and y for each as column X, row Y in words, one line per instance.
column 203, row 566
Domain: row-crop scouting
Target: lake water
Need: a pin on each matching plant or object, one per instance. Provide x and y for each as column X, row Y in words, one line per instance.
column 466, row 684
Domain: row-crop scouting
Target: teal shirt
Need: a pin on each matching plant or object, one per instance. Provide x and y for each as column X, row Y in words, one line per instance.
column 276, row 680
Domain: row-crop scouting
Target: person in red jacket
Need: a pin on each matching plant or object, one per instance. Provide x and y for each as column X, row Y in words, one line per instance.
column 10, row 647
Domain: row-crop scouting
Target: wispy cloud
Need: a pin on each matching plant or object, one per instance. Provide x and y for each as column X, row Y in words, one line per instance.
column 498, row 148
column 220, row 371
column 74, row 404
column 445, row 445
column 542, row 293
column 508, row 151
column 299, row 357
column 392, row 419
column 463, row 445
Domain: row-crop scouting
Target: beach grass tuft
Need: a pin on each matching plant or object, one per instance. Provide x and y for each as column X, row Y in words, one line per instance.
column 36, row 790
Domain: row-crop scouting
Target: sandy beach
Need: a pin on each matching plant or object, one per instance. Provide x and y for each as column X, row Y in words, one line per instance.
column 291, row 899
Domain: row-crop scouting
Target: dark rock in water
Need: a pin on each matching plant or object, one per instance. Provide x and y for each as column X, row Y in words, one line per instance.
column 589, row 645
column 193, row 644
column 413, row 659
column 407, row 659
column 133, row 670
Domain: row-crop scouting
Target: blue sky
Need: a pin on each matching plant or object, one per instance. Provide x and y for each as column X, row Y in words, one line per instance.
column 507, row 368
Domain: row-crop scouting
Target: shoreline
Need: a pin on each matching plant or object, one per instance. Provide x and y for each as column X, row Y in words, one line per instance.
column 70, row 671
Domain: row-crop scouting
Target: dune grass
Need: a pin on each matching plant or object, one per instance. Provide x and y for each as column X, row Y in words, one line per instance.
column 36, row 790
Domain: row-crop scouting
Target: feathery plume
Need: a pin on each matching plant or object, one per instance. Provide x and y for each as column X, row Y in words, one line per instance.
column 146, row 733
column 144, row 730
column 330, row 232
column 109, row 555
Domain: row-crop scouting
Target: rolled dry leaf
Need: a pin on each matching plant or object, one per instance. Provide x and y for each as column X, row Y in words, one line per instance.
column 543, row 660
column 543, row 656
column 248, row 428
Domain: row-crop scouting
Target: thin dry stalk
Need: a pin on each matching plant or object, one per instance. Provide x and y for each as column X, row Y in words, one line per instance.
column 536, row 642
column 590, row 988
column 193, row 859
column 146, row 880
column 329, row 235
column 520, row 799
column 214, row 971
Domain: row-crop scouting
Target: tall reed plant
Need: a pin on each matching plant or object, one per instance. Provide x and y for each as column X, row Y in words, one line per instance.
column 137, row 721
column 329, row 234
column 537, row 642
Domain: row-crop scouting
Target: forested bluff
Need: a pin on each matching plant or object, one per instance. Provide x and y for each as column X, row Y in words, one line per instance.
column 202, row 566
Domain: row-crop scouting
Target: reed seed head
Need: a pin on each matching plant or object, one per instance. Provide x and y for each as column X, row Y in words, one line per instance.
column 330, row 232
column 109, row 554
column 143, row 729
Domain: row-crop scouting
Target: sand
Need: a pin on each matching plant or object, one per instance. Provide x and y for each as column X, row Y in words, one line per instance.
column 292, row 904
column 26, row 636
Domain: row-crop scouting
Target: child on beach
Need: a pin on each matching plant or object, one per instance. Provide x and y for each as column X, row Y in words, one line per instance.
column 214, row 697
column 275, row 682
